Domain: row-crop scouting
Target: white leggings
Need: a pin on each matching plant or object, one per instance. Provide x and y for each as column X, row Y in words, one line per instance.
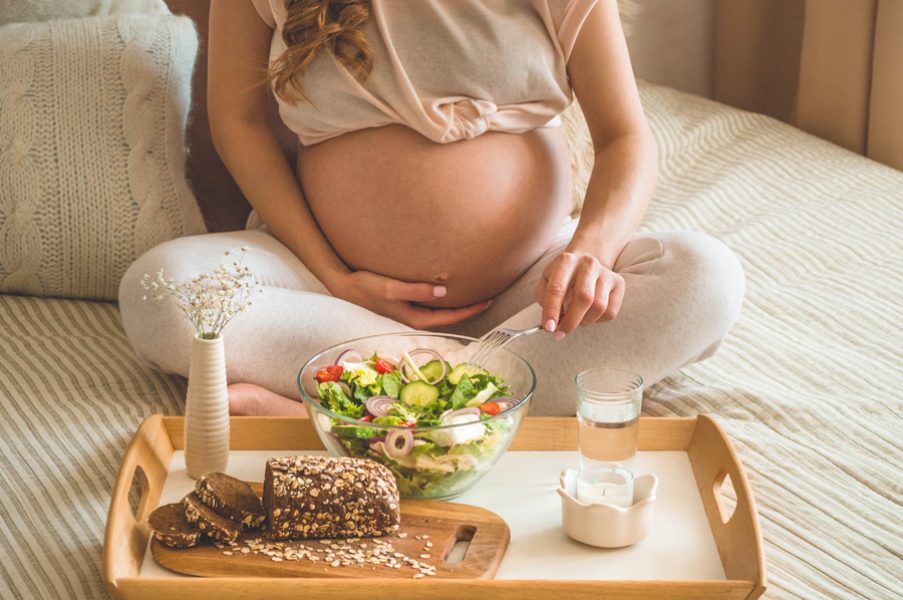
column 683, row 293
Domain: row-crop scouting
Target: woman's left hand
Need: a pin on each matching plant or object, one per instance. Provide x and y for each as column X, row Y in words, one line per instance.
column 578, row 289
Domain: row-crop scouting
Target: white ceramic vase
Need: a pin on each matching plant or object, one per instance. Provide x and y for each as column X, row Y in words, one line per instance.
column 206, row 409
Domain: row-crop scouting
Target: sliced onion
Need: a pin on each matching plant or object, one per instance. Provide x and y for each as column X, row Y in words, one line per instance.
column 441, row 375
column 471, row 410
column 344, row 353
column 345, row 388
column 407, row 442
column 506, row 403
column 379, row 406
column 404, row 376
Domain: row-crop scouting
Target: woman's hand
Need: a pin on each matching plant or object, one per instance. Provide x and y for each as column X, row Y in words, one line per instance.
column 394, row 299
column 578, row 289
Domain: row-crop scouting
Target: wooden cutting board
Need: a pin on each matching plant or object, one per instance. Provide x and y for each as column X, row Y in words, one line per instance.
column 427, row 528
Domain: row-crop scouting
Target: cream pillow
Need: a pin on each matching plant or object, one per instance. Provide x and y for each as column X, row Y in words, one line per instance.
column 20, row 11
column 92, row 153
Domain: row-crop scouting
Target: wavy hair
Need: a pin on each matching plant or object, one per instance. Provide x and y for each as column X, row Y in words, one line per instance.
column 312, row 26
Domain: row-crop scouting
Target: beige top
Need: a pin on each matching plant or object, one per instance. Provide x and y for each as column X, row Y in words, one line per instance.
column 450, row 69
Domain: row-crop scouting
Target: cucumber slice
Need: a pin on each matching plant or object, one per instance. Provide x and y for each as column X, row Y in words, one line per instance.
column 432, row 370
column 418, row 393
column 464, row 369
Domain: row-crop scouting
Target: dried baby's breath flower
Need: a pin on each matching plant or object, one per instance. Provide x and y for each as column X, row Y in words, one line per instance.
column 210, row 300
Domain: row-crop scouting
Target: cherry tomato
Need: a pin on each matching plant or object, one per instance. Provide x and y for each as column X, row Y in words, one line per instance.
column 490, row 408
column 409, row 424
column 383, row 366
column 329, row 373
column 367, row 418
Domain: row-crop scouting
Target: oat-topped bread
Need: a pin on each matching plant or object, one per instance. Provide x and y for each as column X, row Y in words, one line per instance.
column 214, row 525
column 170, row 526
column 328, row 497
column 231, row 498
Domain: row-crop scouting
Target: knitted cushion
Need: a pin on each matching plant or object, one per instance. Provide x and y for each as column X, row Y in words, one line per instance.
column 92, row 159
column 20, row 11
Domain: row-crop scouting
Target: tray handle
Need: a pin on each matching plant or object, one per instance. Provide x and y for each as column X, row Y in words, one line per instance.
column 125, row 540
column 738, row 537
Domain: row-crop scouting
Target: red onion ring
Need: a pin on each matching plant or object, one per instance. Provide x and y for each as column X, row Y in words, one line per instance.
column 404, row 365
column 392, row 439
column 338, row 360
column 379, row 406
column 345, row 388
column 470, row 410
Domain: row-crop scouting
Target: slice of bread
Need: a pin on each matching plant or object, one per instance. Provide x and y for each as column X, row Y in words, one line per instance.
column 231, row 498
column 170, row 526
column 216, row 526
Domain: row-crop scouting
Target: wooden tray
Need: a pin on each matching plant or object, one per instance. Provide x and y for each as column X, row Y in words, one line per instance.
column 711, row 456
column 444, row 523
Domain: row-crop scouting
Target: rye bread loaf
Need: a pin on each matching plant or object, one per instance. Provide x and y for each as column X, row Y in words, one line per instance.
column 231, row 498
column 171, row 527
column 329, row 497
column 216, row 526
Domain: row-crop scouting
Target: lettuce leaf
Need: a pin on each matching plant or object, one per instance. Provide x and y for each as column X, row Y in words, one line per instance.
column 391, row 383
column 335, row 399
column 427, row 448
column 404, row 411
column 350, row 431
column 464, row 392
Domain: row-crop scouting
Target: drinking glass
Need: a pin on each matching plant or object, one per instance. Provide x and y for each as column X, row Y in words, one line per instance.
column 609, row 401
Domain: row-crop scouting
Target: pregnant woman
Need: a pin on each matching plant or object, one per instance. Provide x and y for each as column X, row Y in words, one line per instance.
column 429, row 187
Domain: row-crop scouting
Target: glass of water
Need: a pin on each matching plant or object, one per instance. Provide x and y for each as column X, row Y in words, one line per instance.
column 609, row 401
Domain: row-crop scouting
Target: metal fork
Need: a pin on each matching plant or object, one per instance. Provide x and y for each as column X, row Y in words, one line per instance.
column 496, row 339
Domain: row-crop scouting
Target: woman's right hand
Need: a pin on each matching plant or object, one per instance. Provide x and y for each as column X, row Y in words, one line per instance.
column 394, row 299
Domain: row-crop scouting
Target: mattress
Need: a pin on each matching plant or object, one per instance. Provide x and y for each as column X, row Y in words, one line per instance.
column 807, row 383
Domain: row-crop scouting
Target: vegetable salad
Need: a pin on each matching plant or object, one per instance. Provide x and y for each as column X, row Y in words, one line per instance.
column 408, row 393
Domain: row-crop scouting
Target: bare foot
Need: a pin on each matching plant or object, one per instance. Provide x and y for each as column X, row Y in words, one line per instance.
column 249, row 400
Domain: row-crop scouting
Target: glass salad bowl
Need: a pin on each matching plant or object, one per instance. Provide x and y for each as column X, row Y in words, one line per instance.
column 411, row 402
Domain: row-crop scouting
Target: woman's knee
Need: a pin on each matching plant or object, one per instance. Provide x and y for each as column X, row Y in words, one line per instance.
column 710, row 276
column 152, row 325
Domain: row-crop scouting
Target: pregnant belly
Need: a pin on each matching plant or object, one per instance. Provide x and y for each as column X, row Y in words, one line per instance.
column 472, row 214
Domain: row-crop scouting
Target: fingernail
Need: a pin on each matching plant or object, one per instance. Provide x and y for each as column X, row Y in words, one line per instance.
column 559, row 335
column 439, row 291
column 488, row 302
column 550, row 325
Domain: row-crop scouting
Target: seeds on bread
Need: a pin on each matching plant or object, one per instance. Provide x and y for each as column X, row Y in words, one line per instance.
column 329, row 497
column 171, row 527
column 216, row 526
column 231, row 498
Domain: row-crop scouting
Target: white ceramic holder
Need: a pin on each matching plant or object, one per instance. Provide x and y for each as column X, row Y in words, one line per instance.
column 206, row 438
column 607, row 525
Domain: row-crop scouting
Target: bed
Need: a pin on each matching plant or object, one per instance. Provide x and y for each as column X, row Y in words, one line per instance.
column 806, row 383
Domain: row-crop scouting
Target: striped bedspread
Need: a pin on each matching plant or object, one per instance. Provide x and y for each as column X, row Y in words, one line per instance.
column 807, row 383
